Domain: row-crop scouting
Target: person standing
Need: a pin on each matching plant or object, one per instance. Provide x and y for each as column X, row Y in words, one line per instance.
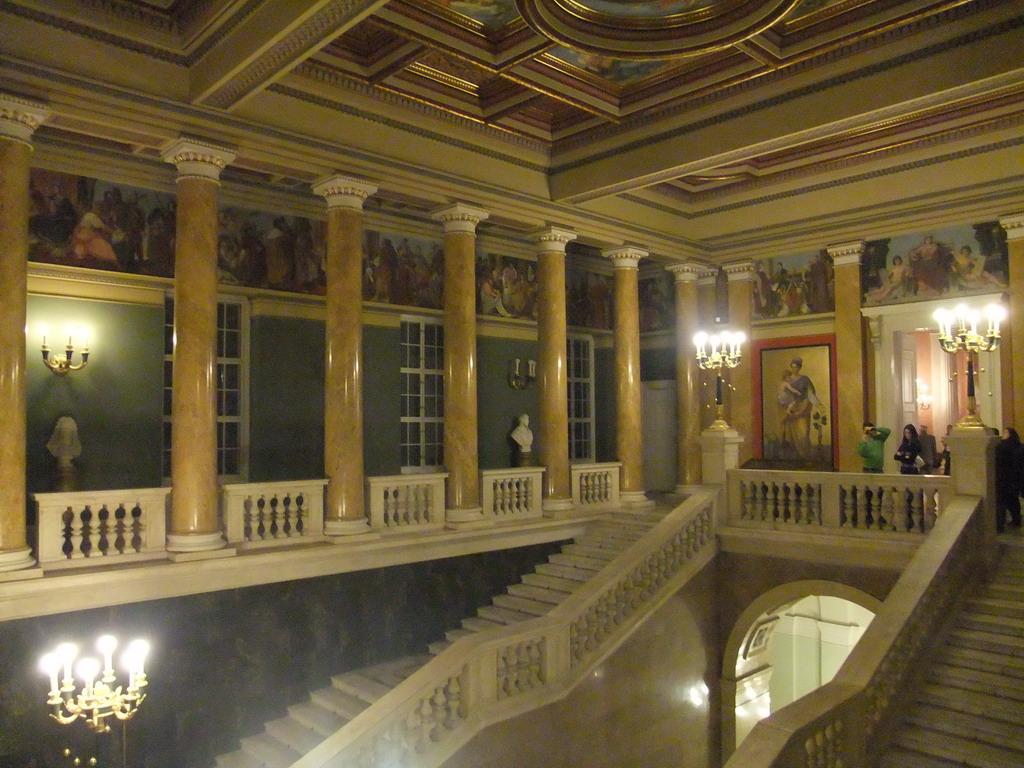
column 944, row 455
column 871, row 447
column 1008, row 479
column 929, row 450
column 909, row 451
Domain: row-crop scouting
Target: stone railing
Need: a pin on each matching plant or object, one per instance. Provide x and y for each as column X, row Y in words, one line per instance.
column 100, row 527
column 847, row 722
column 828, row 501
column 595, row 486
column 406, row 502
column 273, row 514
column 494, row 675
column 511, row 494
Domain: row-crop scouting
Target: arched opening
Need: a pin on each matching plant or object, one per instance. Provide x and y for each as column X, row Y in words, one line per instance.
column 789, row 642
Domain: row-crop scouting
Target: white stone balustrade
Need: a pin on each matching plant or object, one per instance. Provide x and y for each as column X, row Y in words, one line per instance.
column 511, row 494
column 406, row 502
column 494, row 675
column 101, row 527
column 833, row 502
column 596, row 485
column 273, row 514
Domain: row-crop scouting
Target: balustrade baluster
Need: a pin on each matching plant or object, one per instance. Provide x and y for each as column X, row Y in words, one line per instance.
column 931, row 503
column 85, row 532
column 917, row 510
column 887, row 509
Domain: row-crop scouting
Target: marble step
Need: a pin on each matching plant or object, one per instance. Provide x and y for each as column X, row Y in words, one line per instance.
column 970, row 727
column 391, row 673
column 613, row 536
column 995, row 606
column 479, row 624
column 978, row 681
column 896, row 757
column 294, row 733
column 578, row 561
column 1010, row 592
column 319, row 719
column 438, row 647
column 454, row 634
column 359, row 685
column 344, row 704
column 502, row 615
column 540, row 594
column 578, row 575
column 987, row 622
column 971, row 703
column 594, row 553
column 238, row 759
column 552, row 582
column 971, row 658
column 962, row 752
column 521, row 604
column 987, row 641
column 268, row 750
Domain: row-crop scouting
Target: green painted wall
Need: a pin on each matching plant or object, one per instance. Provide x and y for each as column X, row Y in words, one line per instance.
column 382, row 400
column 658, row 364
column 604, row 403
column 286, row 398
column 117, row 400
column 498, row 404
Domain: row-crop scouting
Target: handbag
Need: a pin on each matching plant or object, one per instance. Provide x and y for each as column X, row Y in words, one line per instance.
column 919, row 462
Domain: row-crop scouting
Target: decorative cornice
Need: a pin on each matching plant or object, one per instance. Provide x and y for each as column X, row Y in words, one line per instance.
column 1013, row 225
column 19, row 117
column 551, row 239
column 846, row 254
column 196, row 158
column 459, row 217
column 688, row 271
column 343, row 191
column 739, row 271
column 625, row 256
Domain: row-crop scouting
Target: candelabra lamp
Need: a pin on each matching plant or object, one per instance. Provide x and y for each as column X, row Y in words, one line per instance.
column 62, row 366
column 714, row 353
column 100, row 697
column 958, row 331
column 521, row 376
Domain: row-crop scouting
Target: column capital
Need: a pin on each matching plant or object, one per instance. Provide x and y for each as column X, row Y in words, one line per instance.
column 19, row 117
column 343, row 191
column 739, row 271
column 1013, row 225
column 625, row 256
column 708, row 276
column 551, row 238
column 845, row 254
column 196, row 158
column 687, row 272
column 459, row 217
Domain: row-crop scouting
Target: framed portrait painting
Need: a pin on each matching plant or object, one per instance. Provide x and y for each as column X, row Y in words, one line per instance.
column 795, row 402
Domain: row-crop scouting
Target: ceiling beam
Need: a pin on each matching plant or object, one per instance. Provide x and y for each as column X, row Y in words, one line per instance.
column 268, row 44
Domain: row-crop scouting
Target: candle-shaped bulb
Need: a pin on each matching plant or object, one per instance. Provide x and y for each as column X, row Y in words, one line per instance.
column 942, row 318
column 517, row 366
column 87, row 669
column 83, row 333
column 995, row 313
column 533, row 369
column 106, row 645
column 44, row 330
column 961, row 316
column 699, row 340
column 66, row 652
column 50, row 664
column 135, row 659
column 714, row 344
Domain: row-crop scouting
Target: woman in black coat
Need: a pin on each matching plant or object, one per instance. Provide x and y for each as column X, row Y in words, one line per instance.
column 1008, row 478
column 908, row 451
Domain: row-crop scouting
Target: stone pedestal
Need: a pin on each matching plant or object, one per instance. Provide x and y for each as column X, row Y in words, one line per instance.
column 972, row 455
column 720, row 450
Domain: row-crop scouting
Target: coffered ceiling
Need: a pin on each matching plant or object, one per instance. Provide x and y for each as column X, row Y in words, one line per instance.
column 701, row 126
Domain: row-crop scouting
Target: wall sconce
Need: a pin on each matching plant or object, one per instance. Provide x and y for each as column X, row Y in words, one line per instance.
column 517, row 377
column 99, row 698
column 63, row 365
column 924, row 398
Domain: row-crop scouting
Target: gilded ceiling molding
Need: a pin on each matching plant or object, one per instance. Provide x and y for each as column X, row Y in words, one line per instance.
column 640, row 31
column 330, row 21
column 19, row 117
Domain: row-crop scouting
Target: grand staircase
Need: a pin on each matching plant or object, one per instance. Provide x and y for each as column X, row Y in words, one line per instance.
column 308, row 723
column 970, row 712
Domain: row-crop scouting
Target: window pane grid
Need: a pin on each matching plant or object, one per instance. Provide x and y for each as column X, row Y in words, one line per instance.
column 581, row 398
column 422, row 404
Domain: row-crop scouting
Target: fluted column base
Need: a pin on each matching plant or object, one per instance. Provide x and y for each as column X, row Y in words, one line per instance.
column 17, row 559
column 189, row 543
column 635, row 500
column 558, row 507
column 470, row 517
column 720, row 451
column 356, row 526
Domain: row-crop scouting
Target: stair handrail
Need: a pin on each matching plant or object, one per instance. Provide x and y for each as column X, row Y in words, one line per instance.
column 848, row 721
column 493, row 675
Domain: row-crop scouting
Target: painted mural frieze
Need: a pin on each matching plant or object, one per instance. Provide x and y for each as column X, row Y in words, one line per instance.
column 506, row 286
column 657, row 303
column 950, row 262
column 794, row 285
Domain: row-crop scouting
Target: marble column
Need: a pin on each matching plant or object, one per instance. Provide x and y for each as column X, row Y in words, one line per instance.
column 688, row 377
column 850, row 332
column 741, row 394
column 344, row 513
column 552, row 375
column 19, row 119
column 707, row 307
column 628, row 394
column 460, row 398
column 194, row 527
column 1012, row 353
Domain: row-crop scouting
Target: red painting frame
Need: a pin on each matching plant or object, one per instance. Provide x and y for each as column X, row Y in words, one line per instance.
column 795, row 343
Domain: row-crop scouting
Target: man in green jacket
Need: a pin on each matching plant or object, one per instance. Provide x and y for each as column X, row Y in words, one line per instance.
column 871, row 448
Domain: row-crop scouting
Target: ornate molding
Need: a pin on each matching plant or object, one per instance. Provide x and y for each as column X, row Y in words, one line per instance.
column 846, row 254
column 459, row 217
column 687, row 272
column 19, row 117
column 196, row 158
column 343, row 191
column 1013, row 226
column 739, row 271
column 551, row 239
column 625, row 256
